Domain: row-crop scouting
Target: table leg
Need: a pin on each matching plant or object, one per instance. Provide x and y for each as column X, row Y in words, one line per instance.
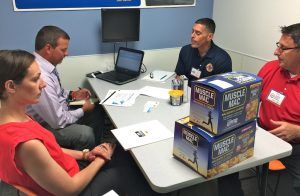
column 264, row 179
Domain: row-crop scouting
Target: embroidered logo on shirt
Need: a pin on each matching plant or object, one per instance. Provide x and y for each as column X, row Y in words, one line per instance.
column 209, row 67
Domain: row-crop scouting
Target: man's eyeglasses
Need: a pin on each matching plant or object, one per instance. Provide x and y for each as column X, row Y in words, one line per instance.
column 279, row 46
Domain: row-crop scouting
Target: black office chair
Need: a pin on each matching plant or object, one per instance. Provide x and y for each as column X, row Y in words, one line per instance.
column 16, row 190
column 275, row 166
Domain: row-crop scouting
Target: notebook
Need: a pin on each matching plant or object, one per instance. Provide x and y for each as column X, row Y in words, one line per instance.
column 127, row 68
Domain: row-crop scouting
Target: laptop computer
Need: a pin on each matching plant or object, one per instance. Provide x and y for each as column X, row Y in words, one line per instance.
column 127, row 68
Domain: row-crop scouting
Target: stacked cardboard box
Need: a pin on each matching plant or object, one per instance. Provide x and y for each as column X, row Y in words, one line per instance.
column 220, row 130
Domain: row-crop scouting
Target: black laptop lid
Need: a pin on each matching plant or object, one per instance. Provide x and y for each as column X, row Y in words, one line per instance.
column 129, row 61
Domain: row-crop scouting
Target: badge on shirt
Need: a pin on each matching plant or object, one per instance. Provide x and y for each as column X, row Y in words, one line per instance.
column 275, row 97
column 195, row 72
column 209, row 67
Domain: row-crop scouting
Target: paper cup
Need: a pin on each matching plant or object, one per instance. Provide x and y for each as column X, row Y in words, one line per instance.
column 176, row 97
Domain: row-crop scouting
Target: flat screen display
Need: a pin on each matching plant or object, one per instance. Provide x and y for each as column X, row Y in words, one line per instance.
column 120, row 25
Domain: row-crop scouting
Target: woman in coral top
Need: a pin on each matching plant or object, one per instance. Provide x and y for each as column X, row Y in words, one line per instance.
column 30, row 156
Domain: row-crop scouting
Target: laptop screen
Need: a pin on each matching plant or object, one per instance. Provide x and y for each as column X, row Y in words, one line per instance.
column 129, row 60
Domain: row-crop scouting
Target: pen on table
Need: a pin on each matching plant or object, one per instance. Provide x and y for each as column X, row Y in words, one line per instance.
column 163, row 77
column 93, row 75
column 109, row 96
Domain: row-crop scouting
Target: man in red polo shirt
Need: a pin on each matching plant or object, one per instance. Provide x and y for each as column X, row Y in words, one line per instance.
column 280, row 105
column 280, row 99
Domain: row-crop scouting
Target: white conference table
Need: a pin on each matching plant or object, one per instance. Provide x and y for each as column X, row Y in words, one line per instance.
column 163, row 172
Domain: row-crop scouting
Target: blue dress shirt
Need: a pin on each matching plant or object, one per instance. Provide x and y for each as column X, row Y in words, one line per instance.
column 53, row 106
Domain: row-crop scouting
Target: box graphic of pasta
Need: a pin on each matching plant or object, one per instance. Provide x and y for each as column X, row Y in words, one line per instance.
column 223, row 102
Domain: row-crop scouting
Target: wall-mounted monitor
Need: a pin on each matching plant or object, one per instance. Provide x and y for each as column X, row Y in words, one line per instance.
column 120, row 25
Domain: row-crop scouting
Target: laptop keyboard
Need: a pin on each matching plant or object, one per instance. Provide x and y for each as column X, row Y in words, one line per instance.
column 118, row 76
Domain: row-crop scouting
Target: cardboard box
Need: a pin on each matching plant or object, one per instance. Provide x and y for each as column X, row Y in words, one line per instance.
column 208, row 154
column 223, row 102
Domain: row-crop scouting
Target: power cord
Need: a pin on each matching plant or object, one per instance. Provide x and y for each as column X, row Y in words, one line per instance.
column 144, row 68
column 114, row 53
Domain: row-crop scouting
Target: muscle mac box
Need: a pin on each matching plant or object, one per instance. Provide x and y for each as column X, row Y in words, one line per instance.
column 209, row 154
column 223, row 102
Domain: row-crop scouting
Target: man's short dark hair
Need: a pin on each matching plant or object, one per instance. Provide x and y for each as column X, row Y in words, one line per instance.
column 293, row 31
column 49, row 35
column 208, row 23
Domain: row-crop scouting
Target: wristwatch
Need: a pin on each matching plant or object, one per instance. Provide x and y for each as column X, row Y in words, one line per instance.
column 71, row 96
column 85, row 153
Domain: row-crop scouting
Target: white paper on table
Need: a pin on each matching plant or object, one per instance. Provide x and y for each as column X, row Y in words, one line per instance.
column 111, row 193
column 120, row 97
column 159, row 76
column 150, row 105
column 141, row 134
column 161, row 93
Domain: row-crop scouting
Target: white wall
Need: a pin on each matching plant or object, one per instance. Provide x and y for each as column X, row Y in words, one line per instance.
column 73, row 69
column 242, row 62
column 250, row 29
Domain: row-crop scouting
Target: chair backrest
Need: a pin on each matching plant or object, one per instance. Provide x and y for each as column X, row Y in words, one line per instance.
column 276, row 165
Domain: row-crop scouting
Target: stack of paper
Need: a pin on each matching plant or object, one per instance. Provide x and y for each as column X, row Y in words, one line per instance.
column 161, row 93
column 120, row 97
column 141, row 134
column 158, row 75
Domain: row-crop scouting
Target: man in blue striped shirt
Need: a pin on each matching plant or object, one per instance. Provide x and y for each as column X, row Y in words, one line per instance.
column 73, row 128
